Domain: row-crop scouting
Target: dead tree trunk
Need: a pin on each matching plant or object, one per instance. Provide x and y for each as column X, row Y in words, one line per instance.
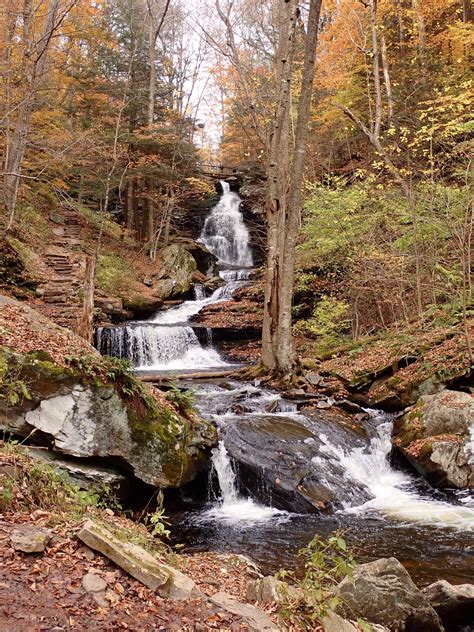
column 85, row 327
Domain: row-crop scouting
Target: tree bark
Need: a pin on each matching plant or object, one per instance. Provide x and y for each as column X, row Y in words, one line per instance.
column 85, row 327
column 285, row 183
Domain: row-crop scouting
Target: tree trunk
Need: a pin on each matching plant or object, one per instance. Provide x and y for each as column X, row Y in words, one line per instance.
column 277, row 170
column 85, row 327
column 284, row 188
column 388, row 83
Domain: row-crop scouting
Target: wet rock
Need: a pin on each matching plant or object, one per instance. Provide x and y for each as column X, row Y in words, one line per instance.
column 454, row 604
column 383, row 592
column 29, row 539
column 93, row 583
column 214, row 283
column 257, row 620
column 434, row 435
column 177, row 266
column 142, row 304
column 165, row 288
column 205, row 260
column 287, row 462
column 350, row 407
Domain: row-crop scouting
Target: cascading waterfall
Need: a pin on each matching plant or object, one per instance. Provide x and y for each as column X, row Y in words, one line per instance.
column 393, row 492
column 225, row 233
column 231, row 506
column 155, row 345
column 158, row 348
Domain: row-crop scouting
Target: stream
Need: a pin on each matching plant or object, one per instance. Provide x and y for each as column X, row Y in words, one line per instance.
column 383, row 510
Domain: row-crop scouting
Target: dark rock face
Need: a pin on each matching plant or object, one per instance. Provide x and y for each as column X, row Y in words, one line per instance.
column 454, row 604
column 383, row 592
column 435, row 436
column 286, row 463
column 13, row 275
column 92, row 420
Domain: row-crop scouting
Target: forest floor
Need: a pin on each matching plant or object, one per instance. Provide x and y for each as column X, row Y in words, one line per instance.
column 42, row 592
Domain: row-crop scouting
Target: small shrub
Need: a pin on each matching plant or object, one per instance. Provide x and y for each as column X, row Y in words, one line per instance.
column 327, row 562
column 36, row 485
column 183, row 400
column 329, row 323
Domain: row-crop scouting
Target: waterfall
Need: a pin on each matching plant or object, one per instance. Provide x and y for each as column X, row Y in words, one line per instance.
column 157, row 348
column 199, row 292
column 166, row 342
column 225, row 233
column 231, row 507
column 225, row 474
column 394, row 494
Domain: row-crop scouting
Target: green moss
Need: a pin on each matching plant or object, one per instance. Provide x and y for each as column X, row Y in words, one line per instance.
column 114, row 274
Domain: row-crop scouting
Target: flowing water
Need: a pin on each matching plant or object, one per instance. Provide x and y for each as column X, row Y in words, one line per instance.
column 384, row 510
column 167, row 342
column 432, row 533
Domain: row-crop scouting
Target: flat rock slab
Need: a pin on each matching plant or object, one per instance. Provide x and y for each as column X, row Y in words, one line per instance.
column 257, row 620
column 29, row 539
column 137, row 562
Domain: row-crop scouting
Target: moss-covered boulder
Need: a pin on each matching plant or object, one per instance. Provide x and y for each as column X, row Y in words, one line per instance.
column 88, row 410
column 435, row 435
column 175, row 274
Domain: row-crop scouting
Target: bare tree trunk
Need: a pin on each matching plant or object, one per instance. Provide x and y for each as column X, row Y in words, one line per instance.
column 388, row 83
column 284, row 183
column 277, row 170
column 286, row 354
column 85, row 327
column 420, row 24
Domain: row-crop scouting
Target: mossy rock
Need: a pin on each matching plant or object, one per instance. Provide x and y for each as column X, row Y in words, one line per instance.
column 177, row 265
column 80, row 415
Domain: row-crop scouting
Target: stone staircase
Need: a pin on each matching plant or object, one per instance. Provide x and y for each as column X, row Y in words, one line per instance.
column 65, row 265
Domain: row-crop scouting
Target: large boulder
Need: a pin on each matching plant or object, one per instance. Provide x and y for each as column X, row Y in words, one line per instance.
column 454, row 604
column 435, row 436
column 77, row 414
column 206, row 262
column 175, row 274
column 383, row 592
column 290, row 463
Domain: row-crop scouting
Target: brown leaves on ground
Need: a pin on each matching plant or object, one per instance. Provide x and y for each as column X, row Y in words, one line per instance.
column 232, row 315
column 42, row 592
column 24, row 330
column 441, row 351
